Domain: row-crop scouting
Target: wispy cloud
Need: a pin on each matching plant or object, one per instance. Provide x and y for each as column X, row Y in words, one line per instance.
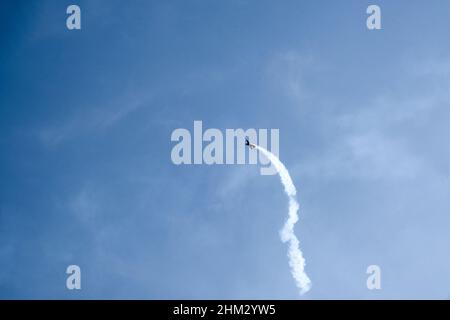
column 370, row 155
column 379, row 139
column 96, row 119
column 286, row 74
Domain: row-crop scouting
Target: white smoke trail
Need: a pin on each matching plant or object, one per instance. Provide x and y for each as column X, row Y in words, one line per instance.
column 296, row 260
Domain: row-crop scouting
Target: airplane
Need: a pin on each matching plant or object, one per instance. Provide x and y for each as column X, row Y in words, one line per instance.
column 251, row 145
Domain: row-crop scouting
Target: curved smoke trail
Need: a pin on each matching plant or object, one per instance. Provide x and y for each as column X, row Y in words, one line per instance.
column 296, row 260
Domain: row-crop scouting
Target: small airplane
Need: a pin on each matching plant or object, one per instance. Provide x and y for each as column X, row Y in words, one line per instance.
column 251, row 145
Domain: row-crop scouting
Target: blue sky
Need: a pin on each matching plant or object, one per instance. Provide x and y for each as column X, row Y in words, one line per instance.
column 85, row 169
